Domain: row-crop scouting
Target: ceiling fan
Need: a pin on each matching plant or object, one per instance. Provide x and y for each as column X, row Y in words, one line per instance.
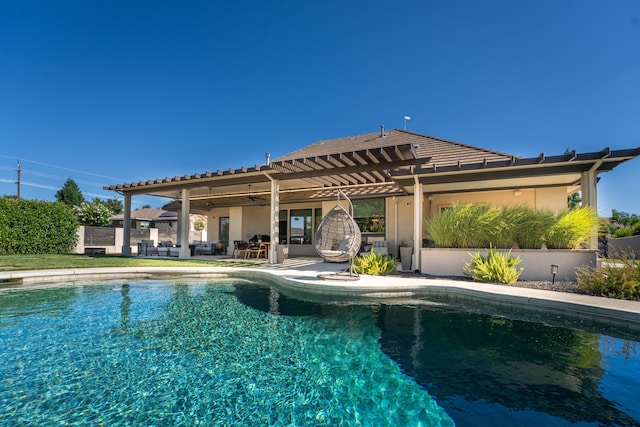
column 253, row 198
column 209, row 203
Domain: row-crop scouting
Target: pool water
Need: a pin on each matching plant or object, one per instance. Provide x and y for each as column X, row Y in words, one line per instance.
column 225, row 353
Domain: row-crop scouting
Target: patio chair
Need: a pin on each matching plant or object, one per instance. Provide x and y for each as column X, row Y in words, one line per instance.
column 147, row 248
column 239, row 248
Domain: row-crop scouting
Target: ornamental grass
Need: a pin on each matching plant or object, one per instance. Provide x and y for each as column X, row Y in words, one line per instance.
column 480, row 226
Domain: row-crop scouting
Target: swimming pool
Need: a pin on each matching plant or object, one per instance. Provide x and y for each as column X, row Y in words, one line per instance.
column 233, row 352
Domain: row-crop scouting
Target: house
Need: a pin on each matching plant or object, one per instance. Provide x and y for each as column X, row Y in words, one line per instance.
column 396, row 179
column 145, row 218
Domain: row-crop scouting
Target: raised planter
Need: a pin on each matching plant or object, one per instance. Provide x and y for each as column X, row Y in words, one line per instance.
column 536, row 262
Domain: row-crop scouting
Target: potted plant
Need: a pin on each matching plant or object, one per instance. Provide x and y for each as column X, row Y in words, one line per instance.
column 406, row 252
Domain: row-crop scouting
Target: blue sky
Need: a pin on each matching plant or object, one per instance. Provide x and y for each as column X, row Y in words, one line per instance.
column 107, row 92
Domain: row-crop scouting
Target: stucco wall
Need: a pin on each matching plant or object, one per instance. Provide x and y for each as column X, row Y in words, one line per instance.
column 213, row 222
column 405, row 223
column 552, row 199
column 235, row 226
column 535, row 262
column 250, row 220
column 256, row 221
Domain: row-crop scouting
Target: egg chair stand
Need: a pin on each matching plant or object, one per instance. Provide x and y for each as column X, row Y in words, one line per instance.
column 338, row 239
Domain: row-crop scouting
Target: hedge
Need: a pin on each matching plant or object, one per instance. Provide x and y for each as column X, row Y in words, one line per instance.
column 36, row 227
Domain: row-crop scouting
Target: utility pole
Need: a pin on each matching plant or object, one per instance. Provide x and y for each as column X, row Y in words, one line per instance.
column 19, row 170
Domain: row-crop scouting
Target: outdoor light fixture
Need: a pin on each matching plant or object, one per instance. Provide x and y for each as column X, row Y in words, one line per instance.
column 554, row 271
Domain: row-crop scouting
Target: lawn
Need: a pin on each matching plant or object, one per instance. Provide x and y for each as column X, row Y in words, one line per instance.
column 42, row 262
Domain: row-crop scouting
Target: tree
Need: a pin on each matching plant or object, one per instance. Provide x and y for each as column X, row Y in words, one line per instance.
column 70, row 194
column 623, row 224
column 114, row 205
column 94, row 213
column 623, row 219
column 574, row 200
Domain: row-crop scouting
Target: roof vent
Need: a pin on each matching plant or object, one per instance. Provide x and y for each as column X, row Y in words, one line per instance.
column 382, row 134
column 268, row 159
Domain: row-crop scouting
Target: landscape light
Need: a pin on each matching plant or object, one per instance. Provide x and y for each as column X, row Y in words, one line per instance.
column 554, row 271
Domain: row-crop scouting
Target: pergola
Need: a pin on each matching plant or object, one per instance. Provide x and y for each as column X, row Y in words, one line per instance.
column 357, row 173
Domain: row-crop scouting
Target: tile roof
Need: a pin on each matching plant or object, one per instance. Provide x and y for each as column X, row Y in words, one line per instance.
column 441, row 151
column 146, row 214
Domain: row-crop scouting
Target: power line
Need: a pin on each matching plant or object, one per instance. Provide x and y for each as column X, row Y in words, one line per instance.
column 61, row 178
column 38, row 173
column 61, row 167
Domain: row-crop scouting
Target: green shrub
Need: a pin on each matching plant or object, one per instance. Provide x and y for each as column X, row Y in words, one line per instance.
column 528, row 226
column 479, row 226
column 572, row 228
column 374, row 264
column 494, row 267
column 623, row 232
column 619, row 280
column 36, row 227
column 466, row 226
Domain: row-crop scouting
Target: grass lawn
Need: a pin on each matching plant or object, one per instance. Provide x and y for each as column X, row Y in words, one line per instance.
column 42, row 262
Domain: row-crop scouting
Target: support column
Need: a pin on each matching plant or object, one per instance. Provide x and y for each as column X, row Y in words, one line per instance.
column 126, row 226
column 274, row 230
column 183, row 225
column 589, row 191
column 418, row 201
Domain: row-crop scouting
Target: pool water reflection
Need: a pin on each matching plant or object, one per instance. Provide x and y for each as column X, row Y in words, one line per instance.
column 490, row 368
column 232, row 352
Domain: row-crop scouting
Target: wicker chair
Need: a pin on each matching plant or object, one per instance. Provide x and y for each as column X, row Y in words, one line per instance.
column 338, row 236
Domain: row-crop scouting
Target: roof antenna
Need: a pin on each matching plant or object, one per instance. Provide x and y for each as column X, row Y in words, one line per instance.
column 406, row 119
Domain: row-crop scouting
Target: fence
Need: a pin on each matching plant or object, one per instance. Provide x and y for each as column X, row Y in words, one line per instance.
column 109, row 240
column 630, row 245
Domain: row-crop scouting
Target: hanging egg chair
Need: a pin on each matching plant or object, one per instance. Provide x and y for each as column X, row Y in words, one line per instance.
column 338, row 236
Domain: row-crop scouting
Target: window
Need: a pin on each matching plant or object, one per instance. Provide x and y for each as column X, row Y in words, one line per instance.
column 223, row 230
column 369, row 215
column 301, row 226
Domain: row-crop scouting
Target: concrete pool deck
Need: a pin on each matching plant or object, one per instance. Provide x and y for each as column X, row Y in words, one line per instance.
column 299, row 277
